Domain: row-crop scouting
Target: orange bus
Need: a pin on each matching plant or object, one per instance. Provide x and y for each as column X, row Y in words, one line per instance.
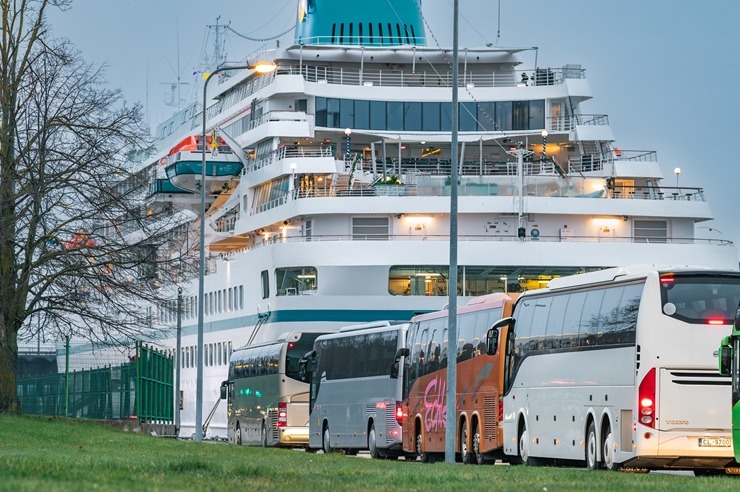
column 480, row 364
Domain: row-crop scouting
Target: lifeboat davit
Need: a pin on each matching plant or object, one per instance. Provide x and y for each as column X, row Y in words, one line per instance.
column 185, row 162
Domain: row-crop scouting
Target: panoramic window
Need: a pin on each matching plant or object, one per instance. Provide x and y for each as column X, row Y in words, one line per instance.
column 295, row 280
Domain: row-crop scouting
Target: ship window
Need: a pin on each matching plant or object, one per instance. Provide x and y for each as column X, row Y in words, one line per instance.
column 351, row 34
column 430, row 116
column 370, row 228
column 398, row 30
column 341, row 33
column 241, row 297
column 362, row 115
column 650, row 231
column 468, row 111
column 413, row 34
column 486, row 114
column 503, row 115
column 332, row 113
column 446, row 112
column 320, row 111
column 412, row 116
column 295, row 280
column 346, row 113
column 520, row 115
column 265, row 284
column 536, row 114
column 406, row 30
column 377, row 115
column 359, row 28
column 394, row 115
column 390, row 34
column 380, row 33
column 370, row 32
column 333, row 33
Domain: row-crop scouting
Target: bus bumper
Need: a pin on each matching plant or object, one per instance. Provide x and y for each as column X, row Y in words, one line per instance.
column 293, row 436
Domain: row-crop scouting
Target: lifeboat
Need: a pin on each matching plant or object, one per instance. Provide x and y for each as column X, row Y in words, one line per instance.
column 185, row 162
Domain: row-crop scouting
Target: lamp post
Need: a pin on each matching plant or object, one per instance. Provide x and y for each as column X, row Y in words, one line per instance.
column 260, row 67
column 544, row 144
column 677, row 171
column 178, row 361
column 347, row 132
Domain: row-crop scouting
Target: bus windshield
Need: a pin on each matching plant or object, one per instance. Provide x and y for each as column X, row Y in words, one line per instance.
column 295, row 351
column 700, row 298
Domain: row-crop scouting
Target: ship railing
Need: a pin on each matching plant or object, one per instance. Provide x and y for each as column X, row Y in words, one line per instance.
column 493, row 237
column 289, row 152
column 420, row 78
column 546, row 189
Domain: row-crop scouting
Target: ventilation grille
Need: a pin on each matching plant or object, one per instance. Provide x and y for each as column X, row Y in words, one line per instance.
column 490, row 415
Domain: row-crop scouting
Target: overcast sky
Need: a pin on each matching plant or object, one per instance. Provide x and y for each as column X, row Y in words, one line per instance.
column 665, row 71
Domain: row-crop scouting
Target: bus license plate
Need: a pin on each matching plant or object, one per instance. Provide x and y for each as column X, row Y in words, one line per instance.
column 715, row 442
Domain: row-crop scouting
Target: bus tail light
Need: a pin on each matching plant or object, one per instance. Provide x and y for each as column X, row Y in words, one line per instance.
column 282, row 419
column 646, row 400
column 399, row 413
column 500, row 410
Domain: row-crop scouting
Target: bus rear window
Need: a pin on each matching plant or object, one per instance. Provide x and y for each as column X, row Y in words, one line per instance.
column 700, row 299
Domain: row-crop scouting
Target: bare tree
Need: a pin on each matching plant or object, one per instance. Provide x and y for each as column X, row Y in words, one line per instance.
column 80, row 251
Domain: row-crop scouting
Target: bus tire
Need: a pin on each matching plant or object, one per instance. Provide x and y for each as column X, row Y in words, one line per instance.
column 238, row 435
column 326, row 440
column 478, row 456
column 372, row 443
column 525, row 458
column 608, row 453
column 263, row 436
column 424, row 457
column 592, row 446
column 465, row 455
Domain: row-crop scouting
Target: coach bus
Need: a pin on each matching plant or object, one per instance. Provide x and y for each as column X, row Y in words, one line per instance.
column 356, row 389
column 729, row 365
column 267, row 402
column 616, row 368
column 479, row 382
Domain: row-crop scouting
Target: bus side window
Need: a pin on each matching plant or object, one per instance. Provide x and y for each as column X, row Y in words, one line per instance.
column 572, row 319
column 555, row 322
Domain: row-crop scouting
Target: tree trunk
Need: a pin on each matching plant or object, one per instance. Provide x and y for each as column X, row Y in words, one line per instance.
column 8, row 364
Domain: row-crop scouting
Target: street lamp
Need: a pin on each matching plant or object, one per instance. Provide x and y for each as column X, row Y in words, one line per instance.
column 677, row 171
column 544, row 144
column 347, row 132
column 259, row 67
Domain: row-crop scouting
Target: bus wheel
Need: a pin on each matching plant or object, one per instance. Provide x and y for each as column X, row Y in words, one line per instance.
column 326, row 444
column 591, row 447
column 609, row 452
column 238, row 435
column 372, row 444
column 524, row 456
column 479, row 457
column 263, row 436
column 465, row 455
column 425, row 458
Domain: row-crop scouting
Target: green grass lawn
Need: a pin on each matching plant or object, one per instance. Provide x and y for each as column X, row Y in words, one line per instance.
column 41, row 453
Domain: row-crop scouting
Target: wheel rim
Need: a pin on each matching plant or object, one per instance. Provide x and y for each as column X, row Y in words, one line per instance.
column 238, row 436
column 464, row 446
column 609, row 451
column 419, row 445
column 524, row 446
column 476, row 445
column 591, row 449
column 372, row 445
column 327, row 444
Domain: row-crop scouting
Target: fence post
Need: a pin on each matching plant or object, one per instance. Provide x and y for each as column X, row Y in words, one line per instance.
column 66, row 377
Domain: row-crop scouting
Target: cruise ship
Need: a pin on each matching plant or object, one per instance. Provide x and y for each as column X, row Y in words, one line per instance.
column 329, row 181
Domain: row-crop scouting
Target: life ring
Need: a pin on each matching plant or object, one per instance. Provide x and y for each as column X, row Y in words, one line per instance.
column 534, row 233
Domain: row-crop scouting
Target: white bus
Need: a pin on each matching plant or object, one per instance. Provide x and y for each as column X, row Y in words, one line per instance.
column 267, row 402
column 356, row 389
column 618, row 368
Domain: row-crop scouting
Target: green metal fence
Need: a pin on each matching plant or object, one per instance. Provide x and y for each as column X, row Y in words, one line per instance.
column 142, row 389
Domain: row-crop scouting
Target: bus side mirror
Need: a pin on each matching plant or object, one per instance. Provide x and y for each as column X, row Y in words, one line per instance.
column 402, row 352
column 493, row 334
column 304, row 373
column 224, row 388
column 492, row 341
column 725, row 357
